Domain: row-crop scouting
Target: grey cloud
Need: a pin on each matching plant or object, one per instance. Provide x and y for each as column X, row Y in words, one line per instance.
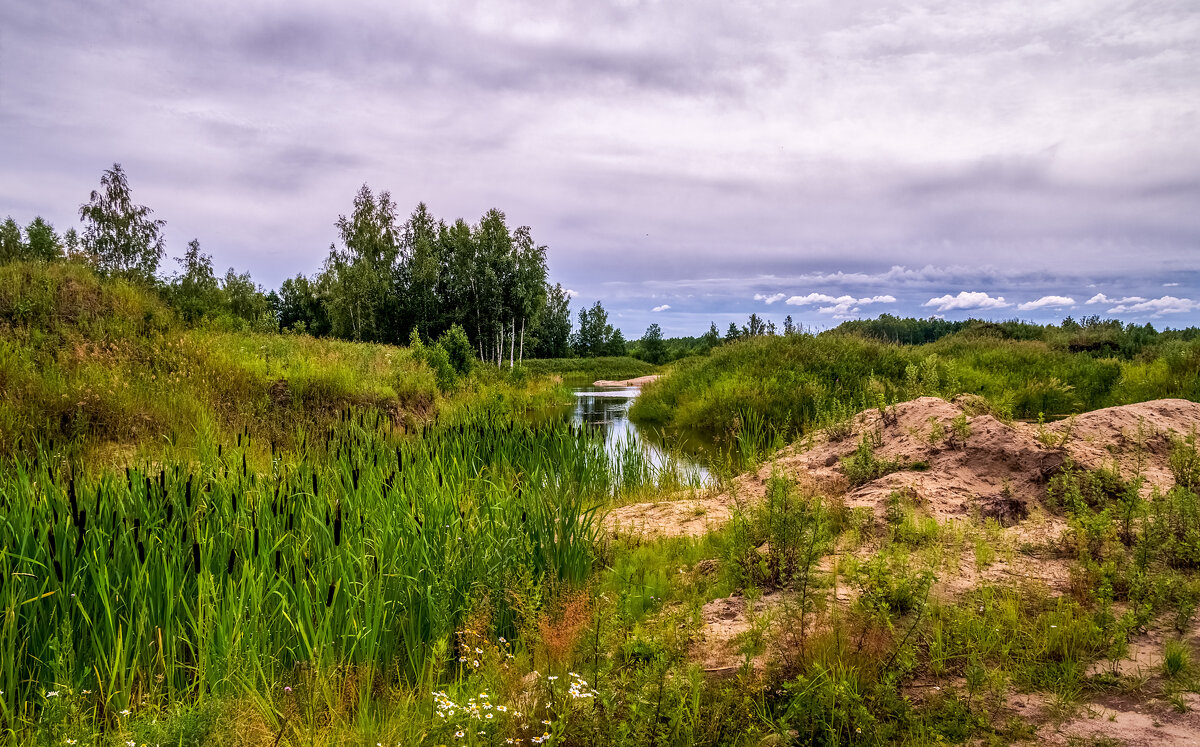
column 853, row 150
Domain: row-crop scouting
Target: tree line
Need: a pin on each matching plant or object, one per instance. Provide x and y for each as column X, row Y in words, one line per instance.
column 387, row 280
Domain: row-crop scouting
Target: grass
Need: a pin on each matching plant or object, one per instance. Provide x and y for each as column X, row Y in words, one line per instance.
column 613, row 368
column 801, row 382
column 104, row 364
column 363, row 555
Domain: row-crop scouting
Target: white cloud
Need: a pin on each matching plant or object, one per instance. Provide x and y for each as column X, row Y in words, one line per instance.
column 811, row 298
column 842, row 307
column 769, row 299
column 664, row 307
column 967, row 300
column 1047, row 302
column 1155, row 306
column 1170, row 285
column 1101, row 298
column 572, row 293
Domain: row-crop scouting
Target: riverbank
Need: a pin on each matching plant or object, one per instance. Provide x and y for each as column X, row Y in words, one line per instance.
column 635, row 383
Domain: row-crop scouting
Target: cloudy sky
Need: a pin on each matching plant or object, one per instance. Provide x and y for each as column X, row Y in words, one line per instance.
column 684, row 161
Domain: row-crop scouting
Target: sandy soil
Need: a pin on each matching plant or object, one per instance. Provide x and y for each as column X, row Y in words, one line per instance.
column 639, row 382
column 999, row 471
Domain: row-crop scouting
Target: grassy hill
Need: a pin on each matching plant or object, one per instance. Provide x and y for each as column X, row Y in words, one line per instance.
column 104, row 361
column 798, row 382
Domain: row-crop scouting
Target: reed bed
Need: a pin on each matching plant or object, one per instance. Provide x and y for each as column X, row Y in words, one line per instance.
column 361, row 548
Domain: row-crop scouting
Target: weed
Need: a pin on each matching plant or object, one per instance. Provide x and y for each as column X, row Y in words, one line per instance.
column 1177, row 658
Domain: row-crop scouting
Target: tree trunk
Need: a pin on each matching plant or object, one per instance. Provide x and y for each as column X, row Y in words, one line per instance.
column 521, row 359
column 512, row 343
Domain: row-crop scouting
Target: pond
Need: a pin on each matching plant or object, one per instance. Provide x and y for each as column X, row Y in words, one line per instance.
column 607, row 410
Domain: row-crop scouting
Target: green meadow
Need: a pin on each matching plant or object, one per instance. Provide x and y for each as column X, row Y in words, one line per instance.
column 213, row 535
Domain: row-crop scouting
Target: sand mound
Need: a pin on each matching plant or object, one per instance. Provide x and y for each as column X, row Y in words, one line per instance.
column 1137, row 438
column 989, row 469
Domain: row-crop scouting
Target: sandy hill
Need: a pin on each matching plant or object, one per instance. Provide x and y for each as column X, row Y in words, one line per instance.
column 997, row 470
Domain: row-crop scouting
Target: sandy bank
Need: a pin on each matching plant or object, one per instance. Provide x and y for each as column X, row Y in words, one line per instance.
column 638, row 382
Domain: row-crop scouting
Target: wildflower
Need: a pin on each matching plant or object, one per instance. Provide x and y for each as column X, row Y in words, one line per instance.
column 476, row 663
column 458, row 735
column 287, row 690
column 552, row 678
column 544, row 721
column 70, row 741
column 462, row 658
column 488, row 716
column 125, row 712
column 504, row 641
column 52, row 694
column 502, row 709
column 478, row 650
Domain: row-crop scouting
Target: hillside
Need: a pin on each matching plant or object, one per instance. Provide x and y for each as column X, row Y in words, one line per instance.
column 1077, row 539
column 796, row 383
column 105, row 364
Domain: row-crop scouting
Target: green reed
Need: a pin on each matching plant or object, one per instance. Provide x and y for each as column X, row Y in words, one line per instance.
column 364, row 548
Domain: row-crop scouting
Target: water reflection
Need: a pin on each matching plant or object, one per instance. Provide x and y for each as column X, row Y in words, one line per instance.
column 608, row 411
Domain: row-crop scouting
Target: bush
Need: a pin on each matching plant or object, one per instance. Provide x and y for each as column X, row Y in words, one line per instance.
column 863, row 466
column 458, row 349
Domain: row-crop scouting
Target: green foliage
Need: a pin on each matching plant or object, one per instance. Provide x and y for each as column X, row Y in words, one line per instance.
column 96, row 361
column 119, row 235
column 591, row 369
column 1185, row 462
column 863, row 466
column 40, row 242
column 551, row 331
column 1175, row 527
column 365, row 549
column 458, row 349
column 1177, row 658
column 651, row 347
column 596, row 337
column 800, row 382
column 778, row 543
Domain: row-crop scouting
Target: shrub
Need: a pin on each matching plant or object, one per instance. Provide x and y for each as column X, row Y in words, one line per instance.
column 458, row 349
column 863, row 466
column 1185, row 463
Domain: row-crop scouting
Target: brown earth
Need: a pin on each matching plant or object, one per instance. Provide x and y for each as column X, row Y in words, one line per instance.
column 999, row 471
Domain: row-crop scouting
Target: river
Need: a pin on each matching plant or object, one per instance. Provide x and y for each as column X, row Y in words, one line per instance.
column 607, row 409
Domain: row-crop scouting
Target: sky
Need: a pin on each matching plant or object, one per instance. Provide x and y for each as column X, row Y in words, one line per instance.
column 685, row 162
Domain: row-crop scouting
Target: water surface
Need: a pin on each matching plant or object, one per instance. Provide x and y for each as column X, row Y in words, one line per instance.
column 607, row 409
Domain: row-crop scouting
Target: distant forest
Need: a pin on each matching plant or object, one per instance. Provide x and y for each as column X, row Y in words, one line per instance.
column 483, row 285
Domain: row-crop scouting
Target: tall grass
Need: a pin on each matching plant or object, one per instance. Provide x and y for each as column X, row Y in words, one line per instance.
column 105, row 365
column 800, row 382
column 177, row 580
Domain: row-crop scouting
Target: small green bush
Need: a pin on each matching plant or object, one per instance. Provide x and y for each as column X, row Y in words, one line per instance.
column 863, row 466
